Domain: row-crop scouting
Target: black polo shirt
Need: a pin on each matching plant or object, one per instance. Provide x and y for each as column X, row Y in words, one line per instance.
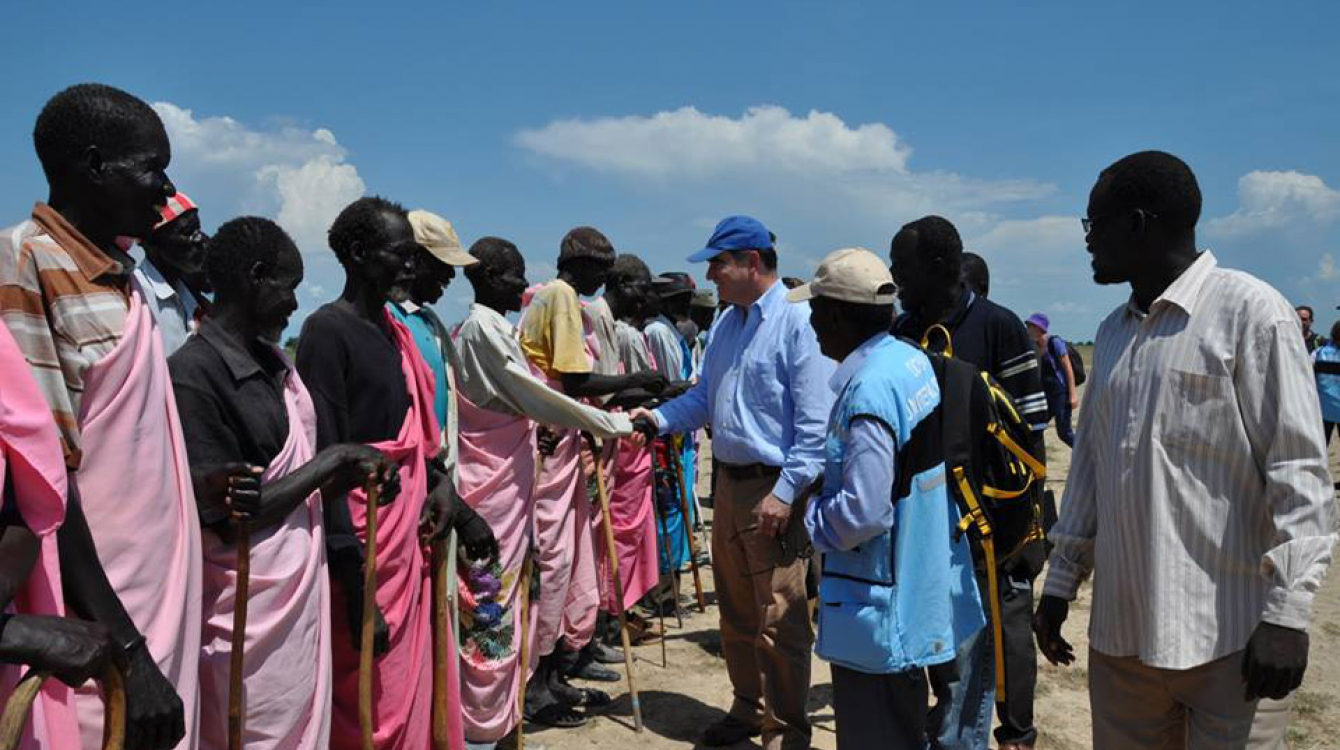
column 995, row 340
column 230, row 395
column 352, row 369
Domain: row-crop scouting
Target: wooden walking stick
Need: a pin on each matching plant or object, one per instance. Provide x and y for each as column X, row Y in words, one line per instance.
column 618, row 589
column 238, row 648
column 20, row 703
column 441, row 647
column 688, row 522
column 665, row 534
column 366, row 720
column 524, row 671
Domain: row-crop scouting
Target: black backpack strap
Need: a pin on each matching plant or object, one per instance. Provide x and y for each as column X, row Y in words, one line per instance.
column 956, row 400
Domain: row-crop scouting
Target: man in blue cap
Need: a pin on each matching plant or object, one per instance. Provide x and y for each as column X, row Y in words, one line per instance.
column 763, row 388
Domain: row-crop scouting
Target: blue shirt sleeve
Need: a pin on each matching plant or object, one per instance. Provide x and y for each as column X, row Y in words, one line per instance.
column 812, row 401
column 692, row 410
column 863, row 508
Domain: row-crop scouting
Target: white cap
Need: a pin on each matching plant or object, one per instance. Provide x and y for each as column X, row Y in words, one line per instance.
column 851, row 274
column 439, row 238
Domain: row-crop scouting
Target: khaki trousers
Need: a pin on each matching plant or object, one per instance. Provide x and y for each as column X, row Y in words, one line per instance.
column 765, row 626
column 1138, row 706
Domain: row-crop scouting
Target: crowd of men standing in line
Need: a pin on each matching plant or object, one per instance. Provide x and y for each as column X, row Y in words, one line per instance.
column 157, row 443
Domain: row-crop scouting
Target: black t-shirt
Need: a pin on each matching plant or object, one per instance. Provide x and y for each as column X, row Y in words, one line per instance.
column 230, row 396
column 995, row 340
column 352, row 369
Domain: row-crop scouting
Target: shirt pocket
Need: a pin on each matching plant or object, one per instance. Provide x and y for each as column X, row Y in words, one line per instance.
column 1197, row 413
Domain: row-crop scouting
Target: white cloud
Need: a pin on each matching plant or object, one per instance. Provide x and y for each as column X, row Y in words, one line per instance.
column 1326, row 270
column 1280, row 199
column 300, row 178
column 688, row 142
column 816, row 161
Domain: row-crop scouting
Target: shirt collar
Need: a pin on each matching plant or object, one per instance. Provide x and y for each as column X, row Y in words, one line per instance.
column 1185, row 290
column 91, row 260
column 241, row 363
column 776, row 295
column 408, row 307
column 852, row 364
column 490, row 315
column 157, row 283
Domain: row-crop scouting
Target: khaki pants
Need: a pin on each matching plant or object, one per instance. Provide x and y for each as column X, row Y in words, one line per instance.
column 1137, row 706
column 765, row 626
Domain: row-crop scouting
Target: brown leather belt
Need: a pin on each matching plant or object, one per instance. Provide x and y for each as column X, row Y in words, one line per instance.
column 743, row 472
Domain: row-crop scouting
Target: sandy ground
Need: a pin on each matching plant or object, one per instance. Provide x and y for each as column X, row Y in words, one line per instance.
column 691, row 690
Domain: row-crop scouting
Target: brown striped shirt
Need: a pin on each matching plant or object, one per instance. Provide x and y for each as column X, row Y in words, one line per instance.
column 65, row 301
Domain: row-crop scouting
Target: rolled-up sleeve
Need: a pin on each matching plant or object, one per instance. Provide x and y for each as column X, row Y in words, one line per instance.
column 1076, row 529
column 863, row 508
column 1277, row 396
column 812, row 400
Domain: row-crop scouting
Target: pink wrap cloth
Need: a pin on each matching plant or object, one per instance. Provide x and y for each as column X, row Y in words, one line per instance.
column 634, row 523
column 495, row 475
column 402, row 681
column 135, row 486
column 286, row 683
column 32, row 462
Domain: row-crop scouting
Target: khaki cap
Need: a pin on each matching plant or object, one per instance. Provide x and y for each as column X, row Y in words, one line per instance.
column 852, row 274
column 437, row 237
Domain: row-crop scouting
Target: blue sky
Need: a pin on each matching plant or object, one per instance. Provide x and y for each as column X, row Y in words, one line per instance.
column 835, row 123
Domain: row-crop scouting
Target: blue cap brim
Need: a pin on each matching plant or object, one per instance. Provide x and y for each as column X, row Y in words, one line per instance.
column 705, row 254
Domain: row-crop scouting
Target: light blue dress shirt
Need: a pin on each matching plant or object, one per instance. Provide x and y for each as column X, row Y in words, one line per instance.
column 764, row 390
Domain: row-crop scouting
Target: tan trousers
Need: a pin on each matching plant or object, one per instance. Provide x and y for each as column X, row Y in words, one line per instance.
column 1137, row 707
column 765, row 626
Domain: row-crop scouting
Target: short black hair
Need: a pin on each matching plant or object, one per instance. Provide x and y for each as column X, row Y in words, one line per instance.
column 937, row 239
column 358, row 224
column 1159, row 183
column 626, row 265
column 976, row 274
column 1335, row 333
column 1309, row 309
column 488, row 250
column 89, row 114
column 241, row 243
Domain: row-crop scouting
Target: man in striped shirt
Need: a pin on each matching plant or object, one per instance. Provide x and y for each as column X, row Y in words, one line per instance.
column 927, row 260
column 1199, row 491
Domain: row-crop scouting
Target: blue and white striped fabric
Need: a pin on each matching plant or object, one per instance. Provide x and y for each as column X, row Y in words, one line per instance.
column 1199, row 493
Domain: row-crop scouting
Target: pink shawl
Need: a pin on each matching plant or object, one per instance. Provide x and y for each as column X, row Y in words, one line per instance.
column 30, row 456
column 402, row 683
column 287, row 674
column 135, row 486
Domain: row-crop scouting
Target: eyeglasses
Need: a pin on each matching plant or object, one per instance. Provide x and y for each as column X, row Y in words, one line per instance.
column 1088, row 222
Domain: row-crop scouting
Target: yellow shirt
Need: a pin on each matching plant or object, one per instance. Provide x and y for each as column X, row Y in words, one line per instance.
column 551, row 331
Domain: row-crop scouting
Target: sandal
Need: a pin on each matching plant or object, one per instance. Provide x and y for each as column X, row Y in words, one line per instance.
column 592, row 698
column 558, row 716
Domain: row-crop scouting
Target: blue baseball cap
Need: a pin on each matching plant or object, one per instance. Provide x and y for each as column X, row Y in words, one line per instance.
column 735, row 233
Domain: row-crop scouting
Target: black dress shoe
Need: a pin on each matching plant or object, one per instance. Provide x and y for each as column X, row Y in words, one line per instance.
column 729, row 731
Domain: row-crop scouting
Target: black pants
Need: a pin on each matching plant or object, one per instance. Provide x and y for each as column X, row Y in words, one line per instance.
column 1014, row 710
column 879, row 710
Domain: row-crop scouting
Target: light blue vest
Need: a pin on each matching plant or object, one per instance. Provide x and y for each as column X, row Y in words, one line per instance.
column 907, row 598
column 1328, row 386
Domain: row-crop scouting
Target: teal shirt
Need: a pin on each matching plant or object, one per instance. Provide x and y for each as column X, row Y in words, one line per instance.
column 424, row 325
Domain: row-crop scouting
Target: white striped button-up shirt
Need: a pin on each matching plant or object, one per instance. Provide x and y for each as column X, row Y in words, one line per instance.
column 1199, row 494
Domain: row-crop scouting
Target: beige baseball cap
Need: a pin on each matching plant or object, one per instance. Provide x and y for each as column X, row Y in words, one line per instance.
column 852, row 274
column 439, row 238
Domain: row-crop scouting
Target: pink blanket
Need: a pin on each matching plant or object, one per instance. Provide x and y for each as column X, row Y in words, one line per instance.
column 135, row 485
column 496, row 475
column 32, row 462
column 564, row 552
column 287, row 670
column 634, row 523
column 402, row 683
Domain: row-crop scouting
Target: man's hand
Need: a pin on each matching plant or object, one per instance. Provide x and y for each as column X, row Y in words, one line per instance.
column 1047, row 620
column 1074, row 400
column 358, row 463
column 1274, row 662
column 439, row 513
column 476, row 536
column 234, row 485
column 73, row 650
column 154, row 714
column 772, row 516
column 547, row 441
column 644, row 426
